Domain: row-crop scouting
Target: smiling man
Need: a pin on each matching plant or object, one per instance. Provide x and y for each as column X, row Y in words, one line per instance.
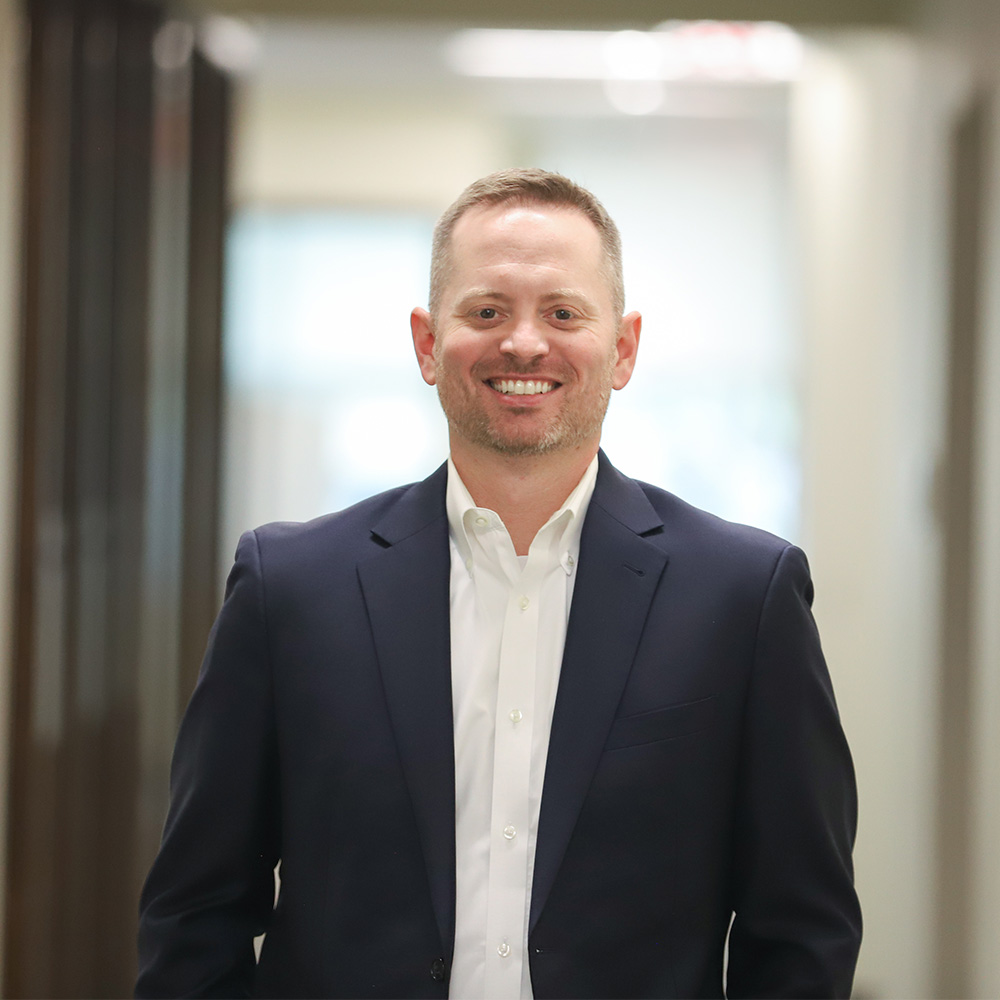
column 528, row 338
column 527, row 728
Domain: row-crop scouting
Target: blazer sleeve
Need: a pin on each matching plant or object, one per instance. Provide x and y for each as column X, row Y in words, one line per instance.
column 797, row 925
column 211, row 887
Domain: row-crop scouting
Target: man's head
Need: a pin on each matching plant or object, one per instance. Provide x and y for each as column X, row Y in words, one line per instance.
column 526, row 337
column 525, row 186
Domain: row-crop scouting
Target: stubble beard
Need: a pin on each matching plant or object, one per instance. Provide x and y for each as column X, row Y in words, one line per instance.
column 575, row 423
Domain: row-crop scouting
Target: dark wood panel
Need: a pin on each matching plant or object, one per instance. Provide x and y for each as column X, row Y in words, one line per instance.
column 86, row 777
column 102, row 560
column 34, row 859
column 210, row 128
column 121, row 812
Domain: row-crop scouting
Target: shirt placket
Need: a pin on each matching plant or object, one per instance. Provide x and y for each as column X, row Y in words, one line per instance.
column 515, row 714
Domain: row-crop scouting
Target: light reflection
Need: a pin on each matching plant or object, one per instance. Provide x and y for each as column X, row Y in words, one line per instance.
column 229, row 43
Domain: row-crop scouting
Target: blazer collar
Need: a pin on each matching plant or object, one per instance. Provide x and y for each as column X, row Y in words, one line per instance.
column 405, row 582
column 418, row 506
column 624, row 499
column 620, row 569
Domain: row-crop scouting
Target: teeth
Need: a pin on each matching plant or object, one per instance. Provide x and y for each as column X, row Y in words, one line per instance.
column 518, row 387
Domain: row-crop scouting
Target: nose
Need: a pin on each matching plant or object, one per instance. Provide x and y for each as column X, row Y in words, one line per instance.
column 526, row 339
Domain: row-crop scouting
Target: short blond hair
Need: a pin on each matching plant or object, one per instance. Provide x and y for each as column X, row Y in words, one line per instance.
column 527, row 186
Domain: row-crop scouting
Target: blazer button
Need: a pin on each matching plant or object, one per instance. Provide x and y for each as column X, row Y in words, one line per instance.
column 438, row 970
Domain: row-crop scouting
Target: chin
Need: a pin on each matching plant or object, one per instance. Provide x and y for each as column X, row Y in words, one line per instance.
column 542, row 443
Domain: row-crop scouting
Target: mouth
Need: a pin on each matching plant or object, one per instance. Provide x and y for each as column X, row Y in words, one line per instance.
column 521, row 387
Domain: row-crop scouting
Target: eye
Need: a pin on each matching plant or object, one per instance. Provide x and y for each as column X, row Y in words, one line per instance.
column 487, row 312
column 563, row 315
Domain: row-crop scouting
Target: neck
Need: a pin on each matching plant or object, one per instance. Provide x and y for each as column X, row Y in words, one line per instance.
column 525, row 490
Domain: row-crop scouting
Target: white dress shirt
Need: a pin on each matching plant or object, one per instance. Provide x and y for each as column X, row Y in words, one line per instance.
column 508, row 629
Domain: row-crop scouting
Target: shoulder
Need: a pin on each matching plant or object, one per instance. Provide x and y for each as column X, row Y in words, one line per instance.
column 349, row 534
column 710, row 555
column 726, row 550
column 341, row 525
column 701, row 527
column 667, row 520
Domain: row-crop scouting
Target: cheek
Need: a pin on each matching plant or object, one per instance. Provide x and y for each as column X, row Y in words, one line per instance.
column 460, row 359
column 448, row 365
column 600, row 365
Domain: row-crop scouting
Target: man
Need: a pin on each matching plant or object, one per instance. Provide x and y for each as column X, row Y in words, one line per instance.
column 527, row 727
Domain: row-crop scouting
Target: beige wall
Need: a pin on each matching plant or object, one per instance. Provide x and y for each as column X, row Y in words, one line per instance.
column 443, row 149
column 986, row 582
column 876, row 193
column 970, row 29
column 871, row 132
column 11, row 95
column 986, row 612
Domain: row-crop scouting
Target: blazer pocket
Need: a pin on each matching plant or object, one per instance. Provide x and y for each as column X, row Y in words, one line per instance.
column 662, row 724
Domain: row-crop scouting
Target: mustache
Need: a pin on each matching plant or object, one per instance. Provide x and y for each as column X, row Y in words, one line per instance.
column 484, row 370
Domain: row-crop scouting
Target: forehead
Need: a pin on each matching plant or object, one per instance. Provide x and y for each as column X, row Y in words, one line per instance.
column 533, row 233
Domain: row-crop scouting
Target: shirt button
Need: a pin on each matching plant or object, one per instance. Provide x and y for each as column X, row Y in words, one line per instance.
column 503, row 949
column 482, row 521
column 509, row 832
column 569, row 561
column 516, row 716
column 524, row 602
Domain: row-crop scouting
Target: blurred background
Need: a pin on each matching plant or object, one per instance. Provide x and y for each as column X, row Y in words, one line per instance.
column 214, row 220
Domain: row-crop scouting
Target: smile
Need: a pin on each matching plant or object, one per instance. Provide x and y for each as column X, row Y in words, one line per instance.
column 520, row 387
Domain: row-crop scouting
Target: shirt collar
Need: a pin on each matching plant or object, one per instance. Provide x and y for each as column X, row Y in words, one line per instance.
column 568, row 520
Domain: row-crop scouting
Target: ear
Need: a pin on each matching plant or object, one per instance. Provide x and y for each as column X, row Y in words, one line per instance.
column 627, row 346
column 423, row 343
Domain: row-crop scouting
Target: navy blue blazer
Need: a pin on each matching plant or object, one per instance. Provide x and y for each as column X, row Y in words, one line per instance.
column 697, row 773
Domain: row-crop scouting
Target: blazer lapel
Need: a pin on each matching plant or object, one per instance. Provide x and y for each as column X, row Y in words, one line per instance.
column 406, row 590
column 619, row 572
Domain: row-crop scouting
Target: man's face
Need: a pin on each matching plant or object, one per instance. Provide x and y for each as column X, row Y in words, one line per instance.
column 526, row 347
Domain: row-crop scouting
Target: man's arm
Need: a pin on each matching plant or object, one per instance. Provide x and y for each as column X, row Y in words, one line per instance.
column 797, row 927
column 211, row 888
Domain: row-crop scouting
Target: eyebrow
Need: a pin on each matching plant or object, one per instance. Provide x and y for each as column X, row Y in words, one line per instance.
column 570, row 294
column 481, row 293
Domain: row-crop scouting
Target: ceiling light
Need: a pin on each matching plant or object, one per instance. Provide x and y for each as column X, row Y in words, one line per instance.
column 676, row 50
